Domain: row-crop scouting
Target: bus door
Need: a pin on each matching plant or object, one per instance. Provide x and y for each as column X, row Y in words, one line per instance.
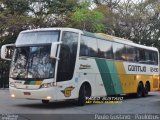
column 66, row 65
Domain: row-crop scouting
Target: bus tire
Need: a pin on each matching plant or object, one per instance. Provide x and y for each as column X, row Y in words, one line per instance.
column 85, row 91
column 45, row 101
column 146, row 90
column 140, row 90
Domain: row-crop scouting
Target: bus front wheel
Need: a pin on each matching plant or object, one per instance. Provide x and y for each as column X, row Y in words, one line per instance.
column 85, row 91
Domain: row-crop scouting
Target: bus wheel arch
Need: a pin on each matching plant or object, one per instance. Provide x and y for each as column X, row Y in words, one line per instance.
column 84, row 91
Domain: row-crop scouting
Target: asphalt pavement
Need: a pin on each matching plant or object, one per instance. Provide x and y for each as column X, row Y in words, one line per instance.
column 32, row 109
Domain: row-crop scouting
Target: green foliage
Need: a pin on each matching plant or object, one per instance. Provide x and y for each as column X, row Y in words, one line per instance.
column 15, row 6
column 88, row 19
column 139, row 22
column 60, row 7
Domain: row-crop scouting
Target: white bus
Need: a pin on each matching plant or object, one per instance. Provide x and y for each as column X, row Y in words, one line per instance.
column 55, row 64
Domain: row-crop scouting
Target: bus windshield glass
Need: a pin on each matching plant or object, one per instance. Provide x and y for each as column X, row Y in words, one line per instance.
column 32, row 62
column 40, row 37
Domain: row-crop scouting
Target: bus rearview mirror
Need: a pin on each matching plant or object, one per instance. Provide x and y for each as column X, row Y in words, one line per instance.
column 54, row 47
column 7, row 51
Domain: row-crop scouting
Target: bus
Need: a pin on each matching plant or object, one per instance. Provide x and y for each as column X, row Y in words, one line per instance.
column 56, row 64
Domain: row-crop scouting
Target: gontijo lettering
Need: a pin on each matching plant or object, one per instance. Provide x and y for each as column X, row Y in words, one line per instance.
column 137, row 68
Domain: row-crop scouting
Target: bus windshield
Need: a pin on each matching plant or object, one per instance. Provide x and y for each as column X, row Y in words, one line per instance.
column 32, row 62
column 40, row 37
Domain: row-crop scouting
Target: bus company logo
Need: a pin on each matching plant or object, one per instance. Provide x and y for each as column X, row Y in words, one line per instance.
column 67, row 91
column 84, row 66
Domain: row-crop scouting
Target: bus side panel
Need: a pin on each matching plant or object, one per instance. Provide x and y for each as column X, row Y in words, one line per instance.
column 128, row 82
column 152, row 79
column 154, row 83
column 122, row 76
column 88, row 71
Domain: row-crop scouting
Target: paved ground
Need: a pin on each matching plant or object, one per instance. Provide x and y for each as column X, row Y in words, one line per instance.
column 130, row 105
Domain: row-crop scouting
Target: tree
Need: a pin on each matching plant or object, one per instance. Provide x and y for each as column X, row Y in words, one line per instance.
column 88, row 19
column 13, row 19
column 51, row 13
column 139, row 22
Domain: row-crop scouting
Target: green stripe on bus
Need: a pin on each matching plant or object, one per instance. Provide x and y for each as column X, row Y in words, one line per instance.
column 30, row 82
column 27, row 82
column 114, row 76
column 109, row 76
column 106, row 76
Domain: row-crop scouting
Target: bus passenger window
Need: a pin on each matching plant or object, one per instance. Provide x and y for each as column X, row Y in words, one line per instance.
column 88, row 46
column 155, row 58
column 130, row 53
column 119, row 51
column 148, row 56
column 84, row 50
column 141, row 55
column 105, row 49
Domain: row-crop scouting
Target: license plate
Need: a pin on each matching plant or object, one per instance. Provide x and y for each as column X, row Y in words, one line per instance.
column 27, row 93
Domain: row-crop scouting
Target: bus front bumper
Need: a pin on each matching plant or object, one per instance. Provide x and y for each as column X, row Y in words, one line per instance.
column 38, row 94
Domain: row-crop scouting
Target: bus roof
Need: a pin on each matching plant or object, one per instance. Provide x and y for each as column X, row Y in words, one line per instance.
column 55, row 28
column 96, row 35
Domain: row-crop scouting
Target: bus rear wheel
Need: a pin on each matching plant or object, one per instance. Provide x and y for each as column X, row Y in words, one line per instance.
column 45, row 101
column 140, row 90
column 85, row 91
column 146, row 90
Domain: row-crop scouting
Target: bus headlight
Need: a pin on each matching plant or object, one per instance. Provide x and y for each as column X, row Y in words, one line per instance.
column 47, row 85
column 12, row 95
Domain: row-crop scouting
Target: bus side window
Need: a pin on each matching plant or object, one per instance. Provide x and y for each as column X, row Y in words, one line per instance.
column 68, row 54
column 88, row 46
column 155, row 58
column 105, row 49
column 151, row 57
column 147, row 56
column 119, row 51
column 84, row 50
column 141, row 55
column 131, row 53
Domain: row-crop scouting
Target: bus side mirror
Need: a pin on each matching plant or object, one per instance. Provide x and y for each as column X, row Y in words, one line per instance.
column 54, row 47
column 7, row 51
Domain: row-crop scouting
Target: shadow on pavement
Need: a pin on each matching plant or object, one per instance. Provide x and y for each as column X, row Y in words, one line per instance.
column 71, row 104
column 51, row 105
column 130, row 96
